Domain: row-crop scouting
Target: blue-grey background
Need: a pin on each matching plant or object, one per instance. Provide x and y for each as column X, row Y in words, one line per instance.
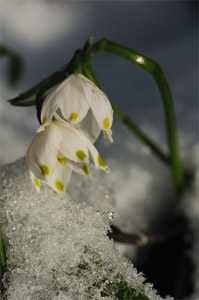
column 46, row 34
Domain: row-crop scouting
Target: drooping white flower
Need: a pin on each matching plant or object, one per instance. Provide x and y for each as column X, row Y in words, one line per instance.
column 56, row 151
column 80, row 102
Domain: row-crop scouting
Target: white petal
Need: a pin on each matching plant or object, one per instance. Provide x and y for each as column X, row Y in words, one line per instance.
column 42, row 153
column 60, row 178
column 101, row 108
column 102, row 111
column 97, row 99
column 71, row 144
column 80, row 168
column 85, row 81
column 51, row 104
column 99, row 163
column 74, row 105
column 90, row 127
column 35, row 181
column 73, row 139
column 89, row 88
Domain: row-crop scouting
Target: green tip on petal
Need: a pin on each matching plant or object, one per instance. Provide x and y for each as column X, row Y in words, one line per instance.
column 73, row 116
column 62, row 160
column 59, row 185
column 44, row 121
column 36, row 181
column 85, row 169
column 45, row 170
column 106, row 123
column 101, row 163
column 80, row 154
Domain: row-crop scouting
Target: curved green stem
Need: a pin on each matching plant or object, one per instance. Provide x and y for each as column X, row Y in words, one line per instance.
column 155, row 70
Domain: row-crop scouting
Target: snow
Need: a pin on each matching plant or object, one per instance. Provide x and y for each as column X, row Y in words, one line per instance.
column 57, row 247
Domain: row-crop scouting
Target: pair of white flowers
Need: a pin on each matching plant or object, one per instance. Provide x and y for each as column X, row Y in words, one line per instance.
column 72, row 117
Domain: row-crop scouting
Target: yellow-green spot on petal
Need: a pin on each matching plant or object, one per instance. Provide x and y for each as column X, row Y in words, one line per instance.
column 101, row 162
column 36, row 181
column 45, row 170
column 62, row 160
column 80, row 154
column 85, row 169
column 106, row 123
column 44, row 121
column 59, row 185
column 73, row 116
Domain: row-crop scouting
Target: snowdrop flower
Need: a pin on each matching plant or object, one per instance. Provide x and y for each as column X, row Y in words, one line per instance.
column 57, row 151
column 79, row 101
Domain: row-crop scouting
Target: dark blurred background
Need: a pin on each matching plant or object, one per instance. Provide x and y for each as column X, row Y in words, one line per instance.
column 45, row 34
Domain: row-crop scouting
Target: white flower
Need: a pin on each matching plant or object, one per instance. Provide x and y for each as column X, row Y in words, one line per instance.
column 79, row 101
column 56, row 151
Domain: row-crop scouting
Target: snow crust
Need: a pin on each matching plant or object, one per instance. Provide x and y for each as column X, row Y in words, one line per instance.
column 57, row 247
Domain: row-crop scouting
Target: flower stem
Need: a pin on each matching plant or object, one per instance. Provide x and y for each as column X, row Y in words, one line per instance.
column 155, row 70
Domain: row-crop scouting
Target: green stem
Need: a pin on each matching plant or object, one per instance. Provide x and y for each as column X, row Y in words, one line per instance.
column 155, row 70
column 88, row 72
